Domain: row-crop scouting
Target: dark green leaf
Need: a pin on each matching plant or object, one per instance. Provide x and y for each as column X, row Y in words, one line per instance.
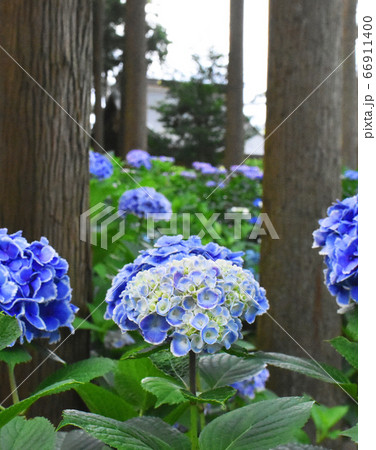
column 142, row 433
column 260, row 426
column 223, row 369
column 20, row 434
column 9, row 330
column 349, row 350
column 167, row 391
column 78, row 440
column 82, row 371
column 351, row 329
column 14, row 355
column 104, row 402
column 219, row 395
column 143, row 350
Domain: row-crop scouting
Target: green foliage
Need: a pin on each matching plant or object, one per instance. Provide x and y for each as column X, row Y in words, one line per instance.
column 9, row 330
column 262, row 425
column 349, row 350
column 139, row 433
column 352, row 433
column 14, row 355
column 167, row 391
column 325, row 419
column 20, row 434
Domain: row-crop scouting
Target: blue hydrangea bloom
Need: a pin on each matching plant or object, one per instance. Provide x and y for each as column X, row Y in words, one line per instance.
column 139, row 158
column 351, row 174
column 167, row 248
column 196, row 302
column 145, row 202
column 187, row 174
column 100, row 166
column 251, row 172
column 338, row 237
column 253, row 384
column 207, row 169
column 34, row 287
column 257, row 203
column 169, row 159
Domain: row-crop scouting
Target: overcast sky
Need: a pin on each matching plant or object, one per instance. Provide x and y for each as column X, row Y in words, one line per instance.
column 195, row 26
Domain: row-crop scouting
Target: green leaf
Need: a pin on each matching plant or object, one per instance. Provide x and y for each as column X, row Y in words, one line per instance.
column 9, row 330
column 78, row 440
column 104, row 402
column 219, row 395
column 349, row 350
column 14, row 355
column 83, row 324
column 141, row 433
column 167, row 391
column 127, row 381
column 295, row 446
column 351, row 328
column 307, row 367
column 82, row 371
column 20, row 434
column 325, row 418
column 352, row 433
column 261, row 426
column 143, row 350
column 223, row 369
column 170, row 365
column 11, row 412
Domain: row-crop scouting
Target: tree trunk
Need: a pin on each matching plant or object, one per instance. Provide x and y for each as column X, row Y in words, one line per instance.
column 98, row 17
column 133, row 129
column 44, row 155
column 302, row 178
column 234, row 151
column 350, row 88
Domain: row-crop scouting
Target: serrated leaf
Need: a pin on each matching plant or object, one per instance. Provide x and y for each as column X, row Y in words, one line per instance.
column 349, row 350
column 143, row 350
column 141, row 433
column 167, row 391
column 14, row 355
column 9, row 413
column 104, row 402
column 21, row 434
column 223, row 369
column 9, row 330
column 170, row 365
column 352, row 433
column 325, row 418
column 219, row 395
column 82, row 371
column 78, row 440
column 262, row 425
column 127, row 381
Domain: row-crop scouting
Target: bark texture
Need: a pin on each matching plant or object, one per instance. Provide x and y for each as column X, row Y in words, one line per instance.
column 302, row 178
column 234, row 146
column 133, row 134
column 98, row 18
column 350, row 87
column 44, row 155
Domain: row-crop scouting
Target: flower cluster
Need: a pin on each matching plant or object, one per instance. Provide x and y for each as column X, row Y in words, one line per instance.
column 197, row 302
column 145, row 202
column 169, row 159
column 251, row 172
column 350, row 175
column 100, row 166
column 253, row 384
column 338, row 237
column 139, row 158
column 166, row 249
column 208, row 169
column 187, row 174
column 257, row 203
column 34, row 287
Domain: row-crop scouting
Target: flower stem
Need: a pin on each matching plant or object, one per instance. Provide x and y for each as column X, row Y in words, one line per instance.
column 193, row 407
column 13, row 384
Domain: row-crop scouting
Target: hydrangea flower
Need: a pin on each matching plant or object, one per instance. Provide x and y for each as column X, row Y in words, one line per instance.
column 251, row 172
column 100, row 166
column 351, row 174
column 166, row 249
column 197, row 302
column 187, row 174
column 139, row 158
column 169, row 159
column 35, row 287
column 253, row 384
column 338, row 237
column 145, row 202
column 207, row 169
column 257, row 203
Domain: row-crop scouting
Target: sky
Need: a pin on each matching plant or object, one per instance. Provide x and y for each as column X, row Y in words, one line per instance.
column 195, row 26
